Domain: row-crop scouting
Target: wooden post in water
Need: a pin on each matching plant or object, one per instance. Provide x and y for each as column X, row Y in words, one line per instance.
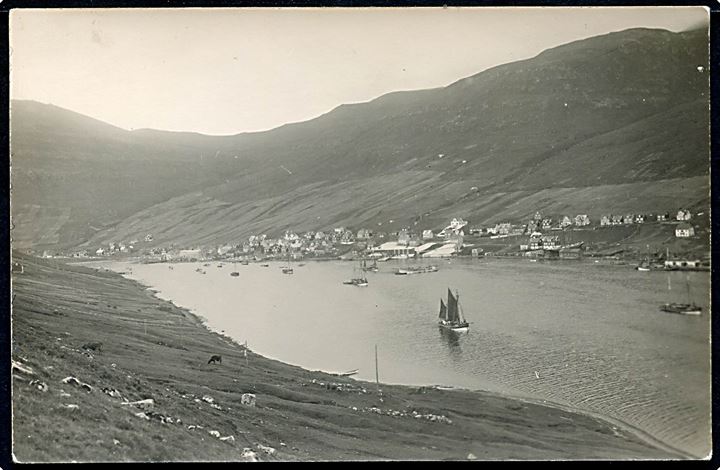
column 377, row 377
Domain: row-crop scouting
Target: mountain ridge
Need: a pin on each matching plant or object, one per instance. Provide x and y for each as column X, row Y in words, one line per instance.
column 567, row 117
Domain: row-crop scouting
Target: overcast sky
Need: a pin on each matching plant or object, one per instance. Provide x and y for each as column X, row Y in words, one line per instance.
column 223, row 71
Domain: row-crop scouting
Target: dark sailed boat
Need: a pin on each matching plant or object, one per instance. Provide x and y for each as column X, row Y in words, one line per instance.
column 451, row 316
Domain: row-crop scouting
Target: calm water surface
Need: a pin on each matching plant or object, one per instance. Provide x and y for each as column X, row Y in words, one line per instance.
column 577, row 333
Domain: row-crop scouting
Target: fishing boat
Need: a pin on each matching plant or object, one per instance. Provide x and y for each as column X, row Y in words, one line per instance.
column 682, row 309
column 373, row 268
column 416, row 270
column 645, row 263
column 689, row 308
column 451, row 316
column 358, row 279
column 643, row 266
column 234, row 274
column 265, row 265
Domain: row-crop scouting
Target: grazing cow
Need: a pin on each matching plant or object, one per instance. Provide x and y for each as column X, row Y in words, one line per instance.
column 97, row 346
column 215, row 358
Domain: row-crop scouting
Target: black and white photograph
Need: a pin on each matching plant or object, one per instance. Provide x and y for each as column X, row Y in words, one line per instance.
column 313, row 234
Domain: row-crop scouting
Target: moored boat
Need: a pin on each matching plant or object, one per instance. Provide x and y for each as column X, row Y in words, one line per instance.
column 373, row 268
column 416, row 270
column 689, row 308
column 682, row 309
column 359, row 279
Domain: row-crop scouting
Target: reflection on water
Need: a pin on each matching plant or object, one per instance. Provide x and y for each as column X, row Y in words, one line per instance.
column 452, row 339
column 584, row 334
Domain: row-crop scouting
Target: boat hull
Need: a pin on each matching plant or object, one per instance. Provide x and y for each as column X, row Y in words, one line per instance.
column 681, row 309
column 457, row 328
column 419, row 270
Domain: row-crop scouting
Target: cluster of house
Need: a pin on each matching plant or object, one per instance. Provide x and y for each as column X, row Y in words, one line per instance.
column 682, row 230
column 117, row 247
column 538, row 223
column 682, row 215
column 404, row 243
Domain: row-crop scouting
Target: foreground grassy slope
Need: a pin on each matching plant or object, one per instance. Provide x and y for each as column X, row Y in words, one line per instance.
column 152, row 349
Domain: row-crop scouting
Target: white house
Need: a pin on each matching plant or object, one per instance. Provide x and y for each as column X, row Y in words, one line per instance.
column 551, row 242
column 364, row 234
column 455, row 227
column 503, row 228
column 684, row 231
column 428, row 235
column 582, row 220
column 683, row 215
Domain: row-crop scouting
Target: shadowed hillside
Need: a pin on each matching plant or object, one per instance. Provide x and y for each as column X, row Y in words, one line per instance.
column 590, row 126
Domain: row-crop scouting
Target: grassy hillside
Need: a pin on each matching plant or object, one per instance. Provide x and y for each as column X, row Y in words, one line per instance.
column 153, row 350
column 620, row 109
column 203, row 219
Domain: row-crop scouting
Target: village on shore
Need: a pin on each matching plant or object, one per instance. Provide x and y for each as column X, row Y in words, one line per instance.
column 669, row 240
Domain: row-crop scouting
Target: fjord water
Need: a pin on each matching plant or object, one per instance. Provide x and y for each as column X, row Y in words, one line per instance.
column 587, row 335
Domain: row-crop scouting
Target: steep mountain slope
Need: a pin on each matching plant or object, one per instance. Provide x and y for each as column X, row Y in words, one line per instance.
column 627, row 108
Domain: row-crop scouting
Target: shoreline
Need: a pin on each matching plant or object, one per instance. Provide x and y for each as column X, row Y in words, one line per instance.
column 629, row 443
column 638, row 432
